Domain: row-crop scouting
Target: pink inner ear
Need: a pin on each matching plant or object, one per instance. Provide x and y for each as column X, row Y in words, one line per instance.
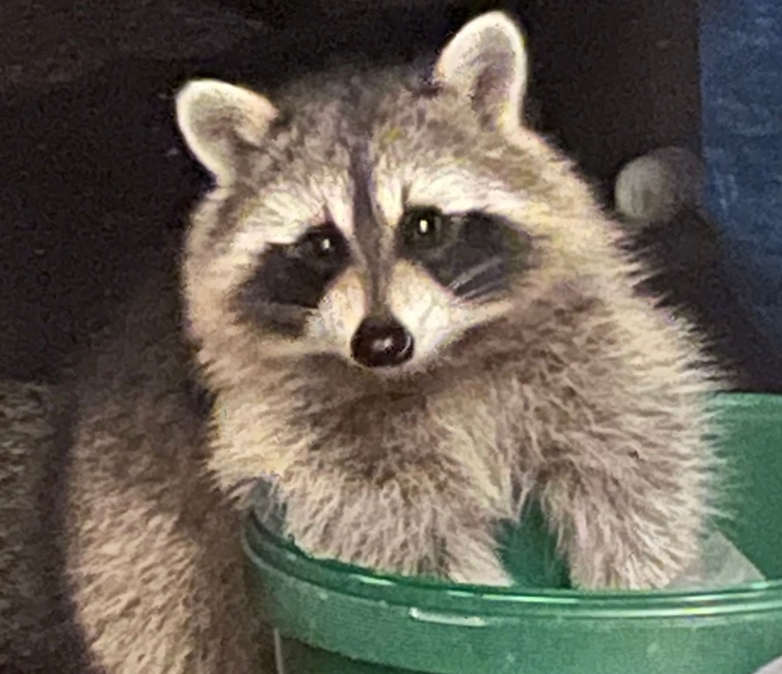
column 491, row 90
column 491, row 83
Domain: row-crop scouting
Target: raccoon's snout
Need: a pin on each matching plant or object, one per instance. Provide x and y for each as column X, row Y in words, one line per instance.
column 381, row 342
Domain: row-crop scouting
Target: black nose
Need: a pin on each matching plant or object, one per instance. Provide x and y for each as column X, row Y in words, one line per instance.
column 381, row 342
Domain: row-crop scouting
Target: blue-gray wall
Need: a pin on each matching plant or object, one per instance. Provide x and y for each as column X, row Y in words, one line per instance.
column 741, row 64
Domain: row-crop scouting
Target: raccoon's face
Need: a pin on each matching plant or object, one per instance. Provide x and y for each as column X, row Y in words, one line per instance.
column 380, row 220
column 389, row 297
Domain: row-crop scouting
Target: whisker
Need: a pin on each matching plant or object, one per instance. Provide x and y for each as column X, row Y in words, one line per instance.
column 483, row 290
column 428, row 312
column 472, row 273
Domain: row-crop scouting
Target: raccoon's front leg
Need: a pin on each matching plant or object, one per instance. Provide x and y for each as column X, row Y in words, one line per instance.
column 407, row 525
column 630, row 521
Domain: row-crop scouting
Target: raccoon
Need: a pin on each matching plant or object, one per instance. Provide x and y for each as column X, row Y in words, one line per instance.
column 411, row 312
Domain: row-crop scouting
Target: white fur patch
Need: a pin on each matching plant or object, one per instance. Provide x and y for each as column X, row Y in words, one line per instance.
column 335, row 194
column 283, row 212
column 389, row 194
column 339, row 314
column 432, row 315
column 456, row 189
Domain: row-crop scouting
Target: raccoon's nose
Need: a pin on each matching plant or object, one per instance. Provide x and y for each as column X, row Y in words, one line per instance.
column 381, row 342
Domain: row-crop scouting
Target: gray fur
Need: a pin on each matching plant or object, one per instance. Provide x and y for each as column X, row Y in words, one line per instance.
column 368, row 232
column 567, row 385
column 24, row 433
column 36, row 630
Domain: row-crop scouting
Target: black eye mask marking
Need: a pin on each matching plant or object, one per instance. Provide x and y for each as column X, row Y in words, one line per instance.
column 472, row 254
column 292, row 279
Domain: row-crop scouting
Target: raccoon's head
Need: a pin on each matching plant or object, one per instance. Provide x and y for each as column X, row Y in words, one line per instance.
column 376, row 219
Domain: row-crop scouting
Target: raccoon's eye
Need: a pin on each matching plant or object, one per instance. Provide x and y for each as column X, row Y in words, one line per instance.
column 322, row 246
column 424, row 228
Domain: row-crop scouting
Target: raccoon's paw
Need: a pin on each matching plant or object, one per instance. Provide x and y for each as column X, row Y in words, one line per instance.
column 625, row 534
column 629, row 569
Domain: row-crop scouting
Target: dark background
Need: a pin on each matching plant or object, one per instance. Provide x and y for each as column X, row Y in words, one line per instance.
column 92, row 172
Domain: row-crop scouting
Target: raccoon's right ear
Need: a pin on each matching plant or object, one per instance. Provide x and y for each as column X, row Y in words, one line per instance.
column 218, row 120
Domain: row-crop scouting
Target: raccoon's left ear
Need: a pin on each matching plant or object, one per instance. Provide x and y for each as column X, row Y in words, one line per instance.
column 486, row 61
column 219, row 120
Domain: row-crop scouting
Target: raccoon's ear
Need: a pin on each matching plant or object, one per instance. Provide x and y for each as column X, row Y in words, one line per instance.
column 219, row 120
column 486, row 61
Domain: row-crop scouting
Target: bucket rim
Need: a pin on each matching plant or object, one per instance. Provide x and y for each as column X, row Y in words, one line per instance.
column 271, row 556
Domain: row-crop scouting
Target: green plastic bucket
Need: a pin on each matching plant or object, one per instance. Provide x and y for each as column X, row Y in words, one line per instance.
column 330, row 618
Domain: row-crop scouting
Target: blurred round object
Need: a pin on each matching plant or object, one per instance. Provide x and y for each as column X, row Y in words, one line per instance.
column 659, row 185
